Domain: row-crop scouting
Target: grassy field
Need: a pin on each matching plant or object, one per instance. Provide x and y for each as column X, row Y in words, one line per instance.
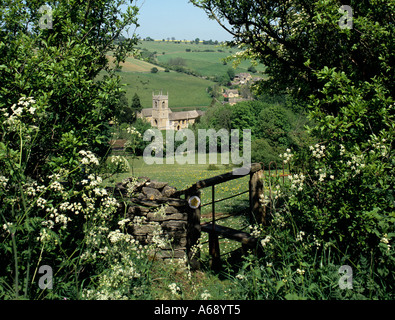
column 205, row 63
column 183, row 176
column 185, row 91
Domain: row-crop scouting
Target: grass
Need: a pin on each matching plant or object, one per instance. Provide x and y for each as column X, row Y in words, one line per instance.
column 183, row 176
column 185, row 91
column 205, row 63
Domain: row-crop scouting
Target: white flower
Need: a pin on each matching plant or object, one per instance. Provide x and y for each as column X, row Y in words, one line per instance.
column 3, row 181
column 41, row 202
column 32, row 110
column 205, row 295
column 265, row 241
column 300, row 271
column 384, row 239
column 174, row 288
column 300, row 235
column 123, row 222
column 240, row 276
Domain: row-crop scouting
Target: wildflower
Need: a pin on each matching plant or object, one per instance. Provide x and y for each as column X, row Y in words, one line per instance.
column 342, row 150
column 205, row 295
column 240, row 276
column 300, row 235
column 318, row 151
column 41, row 203
column 287, row 156
column 123, row 222
column 7, row 226
column 265, row 241
column 3, row 181
column 384, row 239
column 174, row 288
column 300, row 271
column 89, row 157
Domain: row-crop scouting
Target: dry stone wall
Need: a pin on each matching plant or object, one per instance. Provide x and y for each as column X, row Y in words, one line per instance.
column 150, row 203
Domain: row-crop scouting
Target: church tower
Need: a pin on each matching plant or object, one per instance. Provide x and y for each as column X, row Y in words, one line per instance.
column 160, row 111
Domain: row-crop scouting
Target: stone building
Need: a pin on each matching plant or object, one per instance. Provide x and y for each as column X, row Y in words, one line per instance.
column 161, row 116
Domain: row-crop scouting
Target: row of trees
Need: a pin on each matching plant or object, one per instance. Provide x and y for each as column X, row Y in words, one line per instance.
column 274, row 126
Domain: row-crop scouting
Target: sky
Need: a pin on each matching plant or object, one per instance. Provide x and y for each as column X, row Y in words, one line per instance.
column 162, row 19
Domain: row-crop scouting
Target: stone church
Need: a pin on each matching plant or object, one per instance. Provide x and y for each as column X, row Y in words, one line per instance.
column 161, row 116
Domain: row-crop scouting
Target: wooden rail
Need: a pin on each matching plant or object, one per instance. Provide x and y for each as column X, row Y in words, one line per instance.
column 257, row 214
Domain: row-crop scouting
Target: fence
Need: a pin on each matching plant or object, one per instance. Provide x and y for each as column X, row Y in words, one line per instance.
column 259, row 210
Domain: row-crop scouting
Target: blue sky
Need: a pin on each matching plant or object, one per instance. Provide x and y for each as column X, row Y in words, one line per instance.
column 162, row 19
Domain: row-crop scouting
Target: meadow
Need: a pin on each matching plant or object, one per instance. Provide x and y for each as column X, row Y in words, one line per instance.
column 185, row 91
column 205, row 59
column 184, row 176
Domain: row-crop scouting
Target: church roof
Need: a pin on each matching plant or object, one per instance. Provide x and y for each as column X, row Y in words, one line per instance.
column 147, row 112
column 183, row 115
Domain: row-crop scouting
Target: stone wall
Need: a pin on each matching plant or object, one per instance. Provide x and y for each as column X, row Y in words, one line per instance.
column 149, row 203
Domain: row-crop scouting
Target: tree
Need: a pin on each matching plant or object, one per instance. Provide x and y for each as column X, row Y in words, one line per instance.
column 154, row 70
column 345, row 77
column 296, row 39
column 136, row 104
column 59, row 67
column 231, row 73
column 126, row 113
column 58, row 95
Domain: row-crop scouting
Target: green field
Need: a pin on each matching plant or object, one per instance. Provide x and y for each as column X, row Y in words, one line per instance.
column 184, row 176
column 205, row 63
column 185, row 91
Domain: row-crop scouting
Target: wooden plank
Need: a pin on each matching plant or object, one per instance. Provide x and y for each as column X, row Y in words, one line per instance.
column 193, row 231
column 224, row 178
column 256, row 189
column 229, row 233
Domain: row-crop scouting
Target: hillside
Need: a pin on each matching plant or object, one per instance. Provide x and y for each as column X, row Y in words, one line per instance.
column 185, row 91
column 205, row 59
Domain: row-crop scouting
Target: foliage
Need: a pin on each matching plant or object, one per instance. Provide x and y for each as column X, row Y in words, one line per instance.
column 65, row 221
column 295, row 39
column 54, row 136
column 274, row 127
column 344, row 195
column 58, row 66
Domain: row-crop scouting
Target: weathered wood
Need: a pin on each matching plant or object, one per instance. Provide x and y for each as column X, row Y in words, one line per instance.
column 214, row 251
column 224, row 177
column 229, row 233
column 256, row 189
column 193, row 231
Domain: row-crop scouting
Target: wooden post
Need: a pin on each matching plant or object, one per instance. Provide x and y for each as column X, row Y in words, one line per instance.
column 193, row 232
column 256, row 189
column 213, row 238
